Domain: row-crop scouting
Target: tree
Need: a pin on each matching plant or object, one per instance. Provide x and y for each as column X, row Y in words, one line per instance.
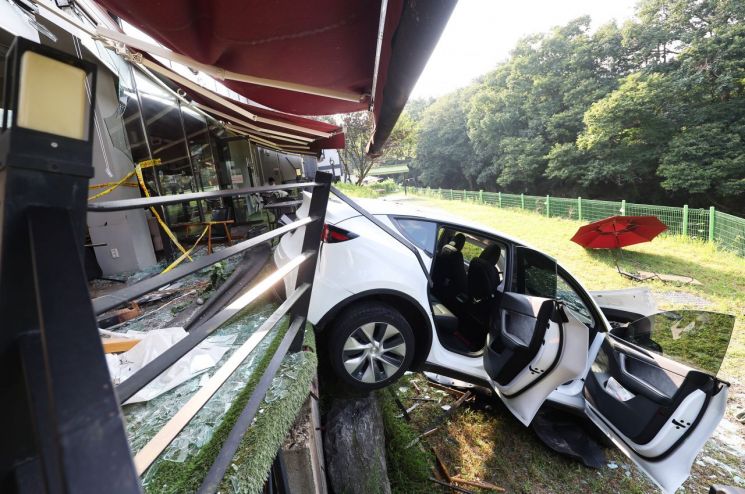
column 537, row 100
column 443, row 148
column 358, row 127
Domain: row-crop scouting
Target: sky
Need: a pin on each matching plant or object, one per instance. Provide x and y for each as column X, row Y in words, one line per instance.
column 481, row 33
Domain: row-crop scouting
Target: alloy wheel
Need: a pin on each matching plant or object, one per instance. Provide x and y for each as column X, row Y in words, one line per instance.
column 374, row 352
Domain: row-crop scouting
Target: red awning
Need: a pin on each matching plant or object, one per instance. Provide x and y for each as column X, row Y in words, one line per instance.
column 327, row 44
column 291, row 132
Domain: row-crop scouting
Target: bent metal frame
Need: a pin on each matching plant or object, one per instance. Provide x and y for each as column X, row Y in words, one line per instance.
column 63, row 426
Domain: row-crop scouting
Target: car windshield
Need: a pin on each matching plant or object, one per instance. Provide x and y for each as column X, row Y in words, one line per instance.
column 695, row 338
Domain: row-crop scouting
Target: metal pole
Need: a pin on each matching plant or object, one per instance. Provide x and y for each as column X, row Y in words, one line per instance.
column 451, row 194
column 685, row 219
column 481, row 195
column 712, row 223
column 623, row 207
column 522, row 200
column 548, row 206
column 306, row 272
column 499, row 199
column 579, row 208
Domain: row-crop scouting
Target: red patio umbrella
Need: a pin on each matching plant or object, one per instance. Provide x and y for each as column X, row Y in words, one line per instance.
column 618, row 231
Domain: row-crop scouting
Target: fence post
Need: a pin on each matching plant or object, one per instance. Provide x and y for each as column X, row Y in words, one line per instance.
column 522, row 200
column 548, row 206
column 499, row 199
column 451, row 194
column 712, row 223
column 464, row 195
column 685, row 219
column 579, row 208
column 481, row 195
column 623, row 207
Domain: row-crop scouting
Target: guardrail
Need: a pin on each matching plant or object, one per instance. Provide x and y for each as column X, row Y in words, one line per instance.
column 708, row 224
column 69, row 435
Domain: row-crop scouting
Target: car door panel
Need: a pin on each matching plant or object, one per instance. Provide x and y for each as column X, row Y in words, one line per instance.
column 536, row 346
column 659, row 412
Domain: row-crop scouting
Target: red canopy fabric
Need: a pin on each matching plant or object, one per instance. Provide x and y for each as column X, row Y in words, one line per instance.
column 329, row 44
column 618, row 231
column 323, row 43
column 335, row 141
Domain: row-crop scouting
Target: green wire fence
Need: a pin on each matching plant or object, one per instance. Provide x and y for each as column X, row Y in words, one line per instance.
column 726, row 230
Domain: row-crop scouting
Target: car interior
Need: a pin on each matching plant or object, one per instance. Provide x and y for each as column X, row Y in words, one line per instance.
column 638, row 388
column 468, row 282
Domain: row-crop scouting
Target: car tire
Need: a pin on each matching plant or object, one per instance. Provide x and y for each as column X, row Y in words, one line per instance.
column 370, row 345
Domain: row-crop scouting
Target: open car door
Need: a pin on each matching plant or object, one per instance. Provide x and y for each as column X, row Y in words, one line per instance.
column 653, row 389
column 535, row 343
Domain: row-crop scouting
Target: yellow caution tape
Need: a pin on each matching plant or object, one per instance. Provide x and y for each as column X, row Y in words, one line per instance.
column 109, row 184
column 186, row 254
column 138, row 172
column 111, row 189
column 123, row 181
column 141, row 181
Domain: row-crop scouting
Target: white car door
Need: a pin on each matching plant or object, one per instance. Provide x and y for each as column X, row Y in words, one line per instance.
column 653, row 390
column 535, row 343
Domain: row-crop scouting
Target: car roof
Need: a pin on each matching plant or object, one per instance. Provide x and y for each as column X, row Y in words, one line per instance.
column 399, row 207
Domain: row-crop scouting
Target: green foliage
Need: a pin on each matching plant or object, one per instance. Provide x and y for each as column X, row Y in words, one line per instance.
column 650, row 110
column 358, row 129
column 408, row 467
column 443, row 148
column 217, row 275
column 259, row 445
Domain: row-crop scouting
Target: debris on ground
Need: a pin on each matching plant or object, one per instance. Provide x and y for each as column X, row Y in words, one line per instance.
column 154, row 343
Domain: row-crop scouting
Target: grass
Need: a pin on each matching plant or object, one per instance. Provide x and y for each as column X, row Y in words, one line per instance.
column 258, row 448
column 721, row 273
column 408, row 468
column 483, row 441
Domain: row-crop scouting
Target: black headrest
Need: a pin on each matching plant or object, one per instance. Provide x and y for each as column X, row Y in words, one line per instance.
column 491, row 253
column 483, row 278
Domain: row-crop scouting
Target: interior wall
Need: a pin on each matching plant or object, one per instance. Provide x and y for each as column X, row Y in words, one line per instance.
column 128, row 243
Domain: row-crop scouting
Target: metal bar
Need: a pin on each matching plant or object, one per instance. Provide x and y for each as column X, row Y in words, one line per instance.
column 162, row 362
column 112, row 300
column 89, row 432
column 32, row 359
column 214, row 476
column 712, row 223
column 147, row 202
column 311, row 241
column 386, row 229
column 171, row 429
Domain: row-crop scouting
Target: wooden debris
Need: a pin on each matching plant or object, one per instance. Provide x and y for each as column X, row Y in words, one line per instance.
column 120, row 316
column 452, row 486
column 117, row 345
column 447, row 389
column 478, row 483
column 441, row 466
column 416, row 386
column 400, row 405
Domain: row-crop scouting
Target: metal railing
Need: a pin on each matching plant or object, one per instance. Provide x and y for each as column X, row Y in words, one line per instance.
column 708, row 224
column 73, row 411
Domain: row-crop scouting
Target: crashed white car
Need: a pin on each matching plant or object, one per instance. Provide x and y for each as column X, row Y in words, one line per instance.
column 400, row 289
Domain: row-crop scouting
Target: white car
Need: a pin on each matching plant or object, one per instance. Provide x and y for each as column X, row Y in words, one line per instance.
column 521, row 324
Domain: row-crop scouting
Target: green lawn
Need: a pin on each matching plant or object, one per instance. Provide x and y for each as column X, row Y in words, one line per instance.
column 721, row 273
column 488, row 444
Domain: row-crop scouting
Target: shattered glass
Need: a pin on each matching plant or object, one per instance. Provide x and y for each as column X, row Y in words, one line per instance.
column 145, row 419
